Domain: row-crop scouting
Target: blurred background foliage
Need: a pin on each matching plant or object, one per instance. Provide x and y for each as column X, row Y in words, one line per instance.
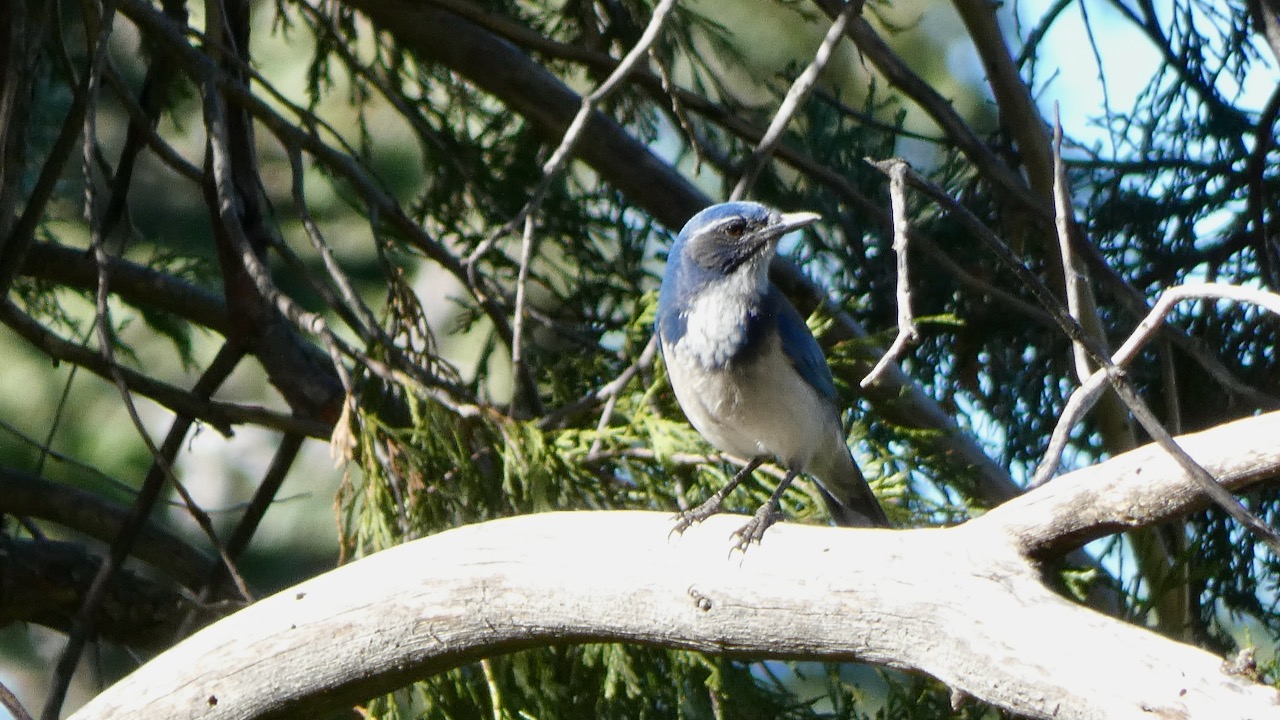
column 371, row 282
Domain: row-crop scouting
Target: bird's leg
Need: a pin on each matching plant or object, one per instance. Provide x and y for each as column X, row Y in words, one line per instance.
column 687, row 518
column 767, row 515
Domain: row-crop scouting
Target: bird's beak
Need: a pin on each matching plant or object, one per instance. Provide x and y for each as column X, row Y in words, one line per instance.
column 794, row 221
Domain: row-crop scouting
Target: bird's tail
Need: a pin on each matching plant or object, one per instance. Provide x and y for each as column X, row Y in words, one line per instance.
column 849, row 498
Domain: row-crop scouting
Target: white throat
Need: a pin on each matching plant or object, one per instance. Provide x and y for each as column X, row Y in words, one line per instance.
column 716, row 319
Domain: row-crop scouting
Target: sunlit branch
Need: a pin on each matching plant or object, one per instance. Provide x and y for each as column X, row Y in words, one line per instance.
column 907, row 332
column 1083, row 398
column 1141, row 412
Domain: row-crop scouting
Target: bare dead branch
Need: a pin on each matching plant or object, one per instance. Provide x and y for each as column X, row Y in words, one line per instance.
column 836, row 594
column 907, row 332
column 1136, row 405
column 1076, row 280
column 1140, row 488
column 1083, row 398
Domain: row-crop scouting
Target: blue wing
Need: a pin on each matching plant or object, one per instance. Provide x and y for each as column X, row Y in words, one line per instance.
column 799, row 345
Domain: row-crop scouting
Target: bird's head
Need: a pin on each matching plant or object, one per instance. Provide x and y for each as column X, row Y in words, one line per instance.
column 733, row 237
column 717, row 276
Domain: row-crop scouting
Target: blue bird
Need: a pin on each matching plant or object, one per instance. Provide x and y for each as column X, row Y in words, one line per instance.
column 745, row 368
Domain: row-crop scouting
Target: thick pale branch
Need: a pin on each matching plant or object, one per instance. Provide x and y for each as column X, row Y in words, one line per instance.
column 1142, row 487
column 961, row 604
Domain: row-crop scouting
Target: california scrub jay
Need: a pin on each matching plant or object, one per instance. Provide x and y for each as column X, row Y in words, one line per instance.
column 745, row 368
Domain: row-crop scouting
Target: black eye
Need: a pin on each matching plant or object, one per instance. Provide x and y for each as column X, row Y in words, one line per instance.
column 736, row 228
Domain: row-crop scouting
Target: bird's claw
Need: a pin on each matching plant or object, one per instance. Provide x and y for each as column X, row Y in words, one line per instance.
column 686, row 519
column 683, row 522
column 753, row 531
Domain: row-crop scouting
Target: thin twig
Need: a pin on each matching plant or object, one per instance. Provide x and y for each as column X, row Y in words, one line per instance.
column 495, row 690
column 82, row 625
column 1169, row 379
column 346, row 302
column 46, row 448
column 12, row 704
column 672, row 93
column 941, row 110
column 526, row 393
column 907, row 331
column 1088, row 393
column 611, row 389
column 221, row 416
column 365, row 323
column 1062, row 222
column 552, row 167
column 1141, row 412
column 147, row 496
column 263, row 498
column 558, row 417
column 796, row 95
column 523, row 394
column 1255, row 171
column 46, row 451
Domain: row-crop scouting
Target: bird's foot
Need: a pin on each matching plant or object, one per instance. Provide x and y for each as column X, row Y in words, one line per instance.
column 753, row 531
column 767, row 515
column 686, row 519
